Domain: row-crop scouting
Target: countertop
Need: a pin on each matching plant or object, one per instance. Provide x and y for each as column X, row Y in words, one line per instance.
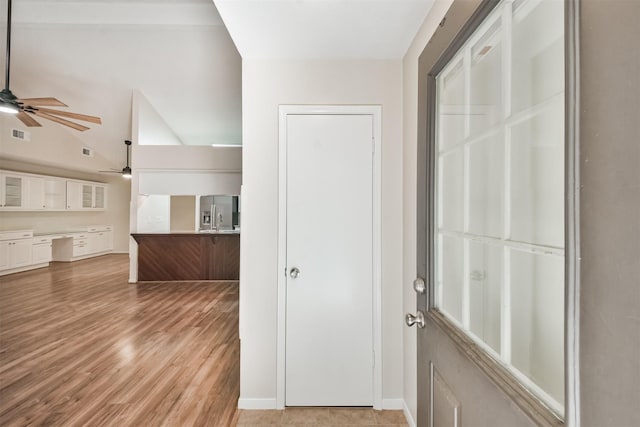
column 193, row 233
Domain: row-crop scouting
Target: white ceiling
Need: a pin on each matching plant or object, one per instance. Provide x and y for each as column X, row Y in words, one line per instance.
column 92, row 55
column 323, row 29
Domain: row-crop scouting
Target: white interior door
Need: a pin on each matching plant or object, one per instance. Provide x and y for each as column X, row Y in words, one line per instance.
column 329, row 254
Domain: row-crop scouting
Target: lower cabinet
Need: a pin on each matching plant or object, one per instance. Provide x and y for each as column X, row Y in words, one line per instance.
column 100, row 239
column 81, row 245
column 41, row 250
column 21, row 251
column 15, row 251
column 97, row 241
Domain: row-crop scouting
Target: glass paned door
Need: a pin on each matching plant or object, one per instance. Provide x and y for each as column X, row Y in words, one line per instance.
column 87, row 196
column 13, row 191
column 500, row 194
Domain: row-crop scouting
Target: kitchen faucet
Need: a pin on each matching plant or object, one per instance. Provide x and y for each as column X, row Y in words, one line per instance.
column 217, row 218
column 218, row 221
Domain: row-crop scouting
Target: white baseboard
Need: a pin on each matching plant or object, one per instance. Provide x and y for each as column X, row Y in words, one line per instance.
column 407, row 415
column 257, row 404
column 392, row 404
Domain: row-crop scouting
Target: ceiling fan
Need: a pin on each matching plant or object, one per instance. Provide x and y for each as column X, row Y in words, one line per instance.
column 126, row 171
column 28, row 107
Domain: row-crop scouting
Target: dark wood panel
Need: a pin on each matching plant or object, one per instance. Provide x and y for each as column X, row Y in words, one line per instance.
column 175, row 257
column 81, row 346
column 224, row 258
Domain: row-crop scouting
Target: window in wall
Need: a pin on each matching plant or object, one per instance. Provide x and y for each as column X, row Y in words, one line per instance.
column 500, row 192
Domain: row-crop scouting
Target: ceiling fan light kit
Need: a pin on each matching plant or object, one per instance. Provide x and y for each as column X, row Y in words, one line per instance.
column 8, row 108
column 126, row 171
column 26, row 108
column 8, row 102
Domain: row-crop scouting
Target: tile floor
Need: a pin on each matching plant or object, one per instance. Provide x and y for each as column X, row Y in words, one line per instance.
column 321, row 417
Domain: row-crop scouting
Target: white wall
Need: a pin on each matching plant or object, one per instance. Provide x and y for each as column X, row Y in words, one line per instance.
column 409, row 192
column 50, row 145
column 148, row 127
column 154, row 214
column 266, row 85
column 195, row 158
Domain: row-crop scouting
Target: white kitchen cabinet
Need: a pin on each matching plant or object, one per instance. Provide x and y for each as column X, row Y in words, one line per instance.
column 79, row 195
column 21, row 251
column 15, row 250
column 12, row 194
column 86, row 196
column 99, row 197
column 41, row 250
column 97, row 240
column 4, row 255
column 81, row 244
column 33, row 193
column 22, row 192
column 74, row 195
column 55, row 193
column 100, row 239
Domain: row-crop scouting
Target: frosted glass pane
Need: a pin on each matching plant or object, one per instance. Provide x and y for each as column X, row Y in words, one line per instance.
column 451, row 108
column 538, row 55
column 537, row 319
column 537, row 178
column 485, row 282
column 486, row 182
column 451, row 191
column 450, row 127
column 451, row 258
column 486, row 80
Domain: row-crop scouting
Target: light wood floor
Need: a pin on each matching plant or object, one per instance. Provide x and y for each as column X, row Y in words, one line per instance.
column 81, row 347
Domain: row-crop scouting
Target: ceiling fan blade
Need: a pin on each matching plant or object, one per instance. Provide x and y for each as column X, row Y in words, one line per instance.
column 64, row 122
column 71, row 115
column 114, row 171
column 27, row 119
column 45, row 102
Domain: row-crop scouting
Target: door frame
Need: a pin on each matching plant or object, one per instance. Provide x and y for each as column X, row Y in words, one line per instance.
column 376, row 112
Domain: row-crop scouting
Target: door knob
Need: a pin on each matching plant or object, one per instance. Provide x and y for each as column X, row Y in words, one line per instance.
column 294, row 273
column 418, row 319
column 419, row 286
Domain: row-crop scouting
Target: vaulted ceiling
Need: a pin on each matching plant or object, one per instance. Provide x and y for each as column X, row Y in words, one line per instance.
column 92, row 55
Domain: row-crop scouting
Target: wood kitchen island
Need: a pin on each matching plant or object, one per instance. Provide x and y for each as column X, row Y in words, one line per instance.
column 188, row 256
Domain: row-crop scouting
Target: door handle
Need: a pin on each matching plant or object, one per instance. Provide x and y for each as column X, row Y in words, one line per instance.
column 418, row 319
column 294, row 273
column 419, row 286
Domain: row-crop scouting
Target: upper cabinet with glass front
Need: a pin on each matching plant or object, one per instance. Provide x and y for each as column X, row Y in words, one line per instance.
column 31, row 192
column 12, row 191
column 82, row 195
column 21, row 192
column 499, row 171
